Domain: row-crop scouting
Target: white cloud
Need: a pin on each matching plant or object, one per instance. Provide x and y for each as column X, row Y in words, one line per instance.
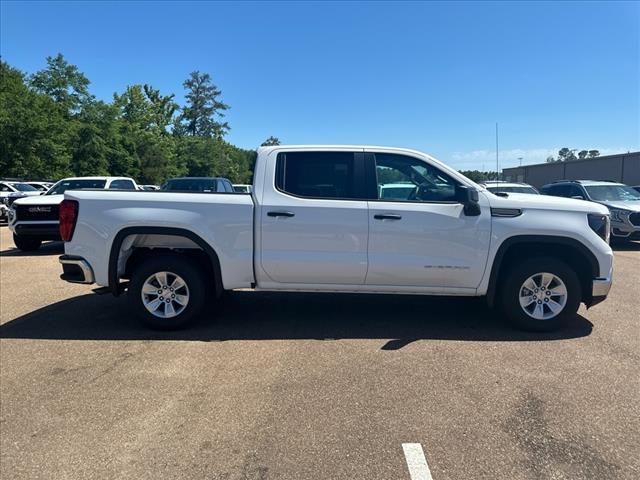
column 476, row 159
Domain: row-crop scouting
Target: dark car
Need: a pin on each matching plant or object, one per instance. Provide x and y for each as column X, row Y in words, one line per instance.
column 623, row 202
column 198, row 184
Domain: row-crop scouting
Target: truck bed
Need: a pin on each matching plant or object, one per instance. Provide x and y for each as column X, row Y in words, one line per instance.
column 222, row 220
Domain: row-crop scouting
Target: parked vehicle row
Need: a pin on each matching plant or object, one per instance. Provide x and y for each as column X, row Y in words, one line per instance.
column 497, row 186
column 622, row 201
column 321, row 219
column 198, row 184
column 35, row 220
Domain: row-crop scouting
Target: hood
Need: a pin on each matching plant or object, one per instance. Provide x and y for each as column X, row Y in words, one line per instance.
column 40, row 200
column 633, row 206
column 21, row 194
column 545, row 202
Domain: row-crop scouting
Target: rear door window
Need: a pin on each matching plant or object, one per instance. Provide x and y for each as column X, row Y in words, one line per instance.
column 321, row 175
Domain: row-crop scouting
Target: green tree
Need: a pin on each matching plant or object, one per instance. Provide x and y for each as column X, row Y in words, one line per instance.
column 112, row 129
column 64, row 83
column 203, row 114
column 34, row 132
column 200, row 156
column 478, row 176
column 157, row 158
column 162, row 108
column 270, row 142
column 89, row 152
column 567, row 154
column 134, row 107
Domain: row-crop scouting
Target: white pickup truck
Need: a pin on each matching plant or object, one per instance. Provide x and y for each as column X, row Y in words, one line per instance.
column 314, row 222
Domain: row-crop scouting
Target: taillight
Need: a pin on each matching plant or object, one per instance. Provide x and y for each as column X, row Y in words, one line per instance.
column 68, row 216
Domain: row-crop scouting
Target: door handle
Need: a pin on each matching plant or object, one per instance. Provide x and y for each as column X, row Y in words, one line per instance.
column 388, row 216
column 281, row 214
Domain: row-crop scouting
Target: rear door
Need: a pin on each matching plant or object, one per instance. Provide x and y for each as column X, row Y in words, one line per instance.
column 313, row 218
column 424, row 239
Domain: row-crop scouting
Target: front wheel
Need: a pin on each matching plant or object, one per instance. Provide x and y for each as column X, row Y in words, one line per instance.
column 26, row 244
column 541, row 294
column 167, row 292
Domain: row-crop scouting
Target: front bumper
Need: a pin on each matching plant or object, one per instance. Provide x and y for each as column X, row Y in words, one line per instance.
column 43, row 231
column 625, row 229
column 76, row 270
column 599, row 290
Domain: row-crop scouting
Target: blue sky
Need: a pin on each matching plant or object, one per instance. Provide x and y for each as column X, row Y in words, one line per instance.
column 431, row 76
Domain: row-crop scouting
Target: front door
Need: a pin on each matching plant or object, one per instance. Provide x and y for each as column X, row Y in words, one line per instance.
column 419, row 235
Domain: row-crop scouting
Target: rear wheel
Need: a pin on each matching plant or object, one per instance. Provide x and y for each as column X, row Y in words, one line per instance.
column 26, row 244
column 167, row 292
column 540, row 294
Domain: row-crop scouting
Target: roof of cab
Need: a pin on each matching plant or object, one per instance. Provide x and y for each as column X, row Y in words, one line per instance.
column 96, row 178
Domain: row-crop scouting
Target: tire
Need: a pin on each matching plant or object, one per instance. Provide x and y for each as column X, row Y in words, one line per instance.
column 541, row 300
column 26, row 244
column 177, row 315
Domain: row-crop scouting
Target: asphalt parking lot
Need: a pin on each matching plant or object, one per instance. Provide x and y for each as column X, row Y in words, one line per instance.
column 302, row 386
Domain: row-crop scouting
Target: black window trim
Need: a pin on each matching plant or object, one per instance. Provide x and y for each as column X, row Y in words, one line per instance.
column 372, row 181
column 358, row 175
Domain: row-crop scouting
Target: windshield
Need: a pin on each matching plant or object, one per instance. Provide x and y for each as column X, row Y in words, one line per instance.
column 191, row 185
column 612, row 193
column 521, row 189
column 23, row 187
column 64, row 185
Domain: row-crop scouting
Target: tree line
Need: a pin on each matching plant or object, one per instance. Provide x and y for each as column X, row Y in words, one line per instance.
column 51, row 127
column 566, row 154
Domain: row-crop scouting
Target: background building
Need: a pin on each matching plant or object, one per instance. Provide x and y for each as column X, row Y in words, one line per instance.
column 624, row 168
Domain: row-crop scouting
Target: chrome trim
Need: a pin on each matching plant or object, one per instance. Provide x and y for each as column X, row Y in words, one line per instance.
column 601, row 287
column 87, row 272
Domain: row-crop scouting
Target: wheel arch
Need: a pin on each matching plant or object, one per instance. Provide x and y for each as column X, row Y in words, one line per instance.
column 120, row 237
column 570, row 250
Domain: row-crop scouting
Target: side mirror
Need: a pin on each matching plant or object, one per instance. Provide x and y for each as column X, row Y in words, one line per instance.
column 578, row 197
column 468, row 197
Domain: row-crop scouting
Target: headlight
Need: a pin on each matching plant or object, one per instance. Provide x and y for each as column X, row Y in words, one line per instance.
column 617, row 215
column 600, row 224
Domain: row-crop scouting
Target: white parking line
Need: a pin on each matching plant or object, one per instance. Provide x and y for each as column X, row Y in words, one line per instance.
column 416, row 461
